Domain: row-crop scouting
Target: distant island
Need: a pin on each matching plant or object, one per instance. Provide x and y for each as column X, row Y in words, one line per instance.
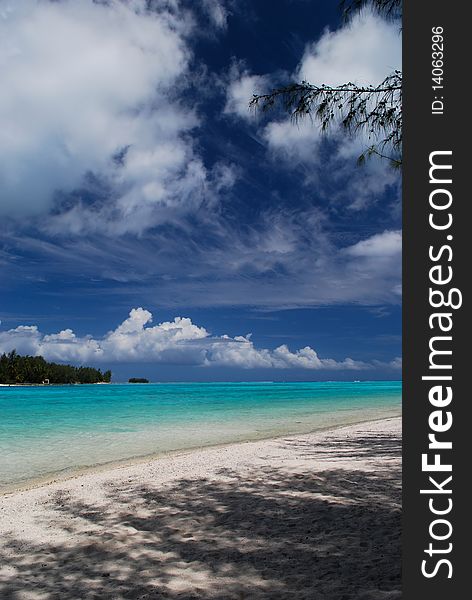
column 16, row 369
column 138, row 380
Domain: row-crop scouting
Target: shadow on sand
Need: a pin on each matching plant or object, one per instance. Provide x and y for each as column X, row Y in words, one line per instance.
column 266, row 534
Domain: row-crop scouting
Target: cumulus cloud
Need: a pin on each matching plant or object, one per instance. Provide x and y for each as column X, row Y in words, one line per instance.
column 90, row 88
column 363, row 52
column 62, row 346
column 172, row 342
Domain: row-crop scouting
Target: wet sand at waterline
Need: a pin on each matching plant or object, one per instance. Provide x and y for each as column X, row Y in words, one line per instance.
column 304, row 516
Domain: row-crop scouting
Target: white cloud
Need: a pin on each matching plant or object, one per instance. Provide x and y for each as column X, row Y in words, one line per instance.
column 377, row 257
column 307, row 358
column 62, row 346
column 396, row 363
column 364, row 52
column 241, row 88
column 172, row 342
column 132, row 340
column 293, row 141
column 381, row 245
column 217, row 12
column 91, row 87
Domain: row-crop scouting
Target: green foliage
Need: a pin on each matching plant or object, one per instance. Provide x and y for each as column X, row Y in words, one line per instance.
column 34, row 369
column 138, row 380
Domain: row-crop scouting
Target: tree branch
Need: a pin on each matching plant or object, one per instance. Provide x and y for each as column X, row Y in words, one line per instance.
column 373, row 110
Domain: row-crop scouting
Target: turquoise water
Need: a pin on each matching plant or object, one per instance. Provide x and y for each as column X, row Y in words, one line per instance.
column 49, row 430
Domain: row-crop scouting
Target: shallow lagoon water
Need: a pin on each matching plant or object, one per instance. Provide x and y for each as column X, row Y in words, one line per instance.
column 45, row 431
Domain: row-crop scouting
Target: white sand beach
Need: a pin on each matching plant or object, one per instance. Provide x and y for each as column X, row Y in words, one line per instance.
column 312, row 516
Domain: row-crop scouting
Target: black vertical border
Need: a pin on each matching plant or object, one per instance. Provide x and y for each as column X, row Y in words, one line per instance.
column 423, row 134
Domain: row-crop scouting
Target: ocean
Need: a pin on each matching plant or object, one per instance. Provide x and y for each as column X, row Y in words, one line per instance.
column 49, row 431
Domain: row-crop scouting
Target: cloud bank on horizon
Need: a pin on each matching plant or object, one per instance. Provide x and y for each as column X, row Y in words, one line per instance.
column 177, row 342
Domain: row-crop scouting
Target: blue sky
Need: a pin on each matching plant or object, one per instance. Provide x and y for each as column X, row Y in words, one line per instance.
column 152, row 224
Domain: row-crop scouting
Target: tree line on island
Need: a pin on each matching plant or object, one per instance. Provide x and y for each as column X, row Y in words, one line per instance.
column 16, row 369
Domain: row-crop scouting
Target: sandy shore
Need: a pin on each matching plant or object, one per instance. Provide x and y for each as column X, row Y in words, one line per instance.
column 312, row 516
